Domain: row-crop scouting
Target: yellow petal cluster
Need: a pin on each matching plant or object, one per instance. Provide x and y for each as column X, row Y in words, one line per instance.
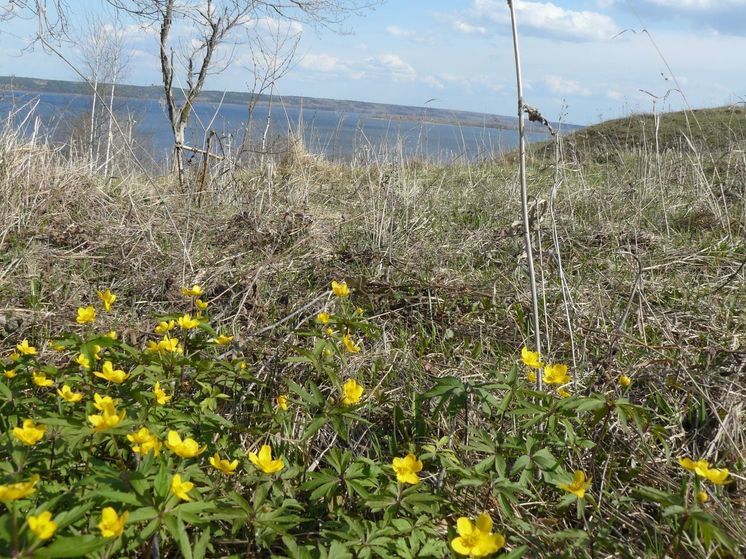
column 83, row 361
column 181, row 488
column 194, row 291
column 165, row 345
column 531, row 358
column 351, row 392
column 107, row 299
column 108, row 372
column 349, row 344
column 578, row 485
column 407, row 468
column 14, row 491
column 556, row 374
column 323, row 318
column 223, row 465
column 109, row 417
column 282, row 402
column 112, row 525
column 221, row 340
column 340, row 289
column 25, row 348
column 702, row 468
column 30, row 433
column 85, row 315
column 476, row 540
column 40, row 379
column 187, row 448
column 624, row 381
column 143, row 441
column 160, row 395
column 165, row 326
column 186, row 322
column 42, row 525
column 200, row 304
column 264, row 460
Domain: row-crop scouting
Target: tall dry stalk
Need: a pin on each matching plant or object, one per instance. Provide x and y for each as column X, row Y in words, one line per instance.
column 524, row 189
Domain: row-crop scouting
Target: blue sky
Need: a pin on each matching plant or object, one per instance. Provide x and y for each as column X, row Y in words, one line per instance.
column 457, row 54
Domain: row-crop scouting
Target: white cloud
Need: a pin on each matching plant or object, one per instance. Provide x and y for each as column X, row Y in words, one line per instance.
column 615, row 95
column 699, row 4
column 468, row 28
column 434, row 82
column 322, row 63
column 548, row 19
column 400, row 32
column 566, row 87
column 394, row 65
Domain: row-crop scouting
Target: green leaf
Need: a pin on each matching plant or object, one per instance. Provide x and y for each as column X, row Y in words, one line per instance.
column 74, row 546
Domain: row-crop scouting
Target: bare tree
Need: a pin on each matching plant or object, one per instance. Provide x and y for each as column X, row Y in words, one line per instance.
column 212, row 24
column 50, row 16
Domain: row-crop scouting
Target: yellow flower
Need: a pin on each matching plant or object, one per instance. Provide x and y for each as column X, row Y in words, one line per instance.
column 43, row 525
column 340, row 289
column 108, row 372
column 40, row 379
column 359, row 311
column 111, row 524
column 58, row 347
column 282, row 402
column 15, row 356
column 702, row 469
column 25, row 348
column 188, row 448
column 702, row 497
column 200, row 304
column 109, row 416
column 556, row 374
column 165, row 326
column 83, row 361
column 68, row 395
column 166, row 345
column 578, row 485
column 323, row 318
column 10, row 373
column 221, row 340
column 107, row 299
column 625, row 381
column 85, row 315
column 349, row 344
column 104, row 402
column 96, row 351
column 186, row 322
column 144, row 441
column 181, row 488
column 351, row 392
column 30, row 433
column 19, row 490
column 406, row 469
column 562, row 393
column 718, row 476
column 223, row 465
column 111, row 334
column 264, row 460
column 194, row 291
column 160, row 396
column 329, row 331
column 531, row 358
column 531, row 375
column 476, row 540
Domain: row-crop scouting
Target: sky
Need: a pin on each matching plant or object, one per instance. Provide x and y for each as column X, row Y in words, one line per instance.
column 583, row 60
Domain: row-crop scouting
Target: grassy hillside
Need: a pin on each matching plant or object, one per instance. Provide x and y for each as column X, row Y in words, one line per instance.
column 641, row 259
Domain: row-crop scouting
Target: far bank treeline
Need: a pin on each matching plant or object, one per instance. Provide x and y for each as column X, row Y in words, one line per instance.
column 382, row 110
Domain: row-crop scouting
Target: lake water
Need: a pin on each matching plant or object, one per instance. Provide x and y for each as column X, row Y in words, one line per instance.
column 335, row 135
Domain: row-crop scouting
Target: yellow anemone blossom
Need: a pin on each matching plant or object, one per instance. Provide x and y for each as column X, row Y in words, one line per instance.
column 340, row 289
column 221, row 340
column 556, row 374
column 578, row 485
column 181, row 488
column 107, row 299
column 186, row 322
column 531, row 375
column 14, row 491
column 108, row 372
column 323, row 318
column 476, row 540
column 15, row 356
column 143, row 441
column 264, row 461
column 329, row 331
column 40, row 379
column 68, row 395
column 562, row 393
column 194, row 291
column 42, row 525
column 85, row 315
column 112, row 334
column 165, row 326
column 30, row 433
column 10, row 373
column 187, row 448
column 160, row 396
column 351, row 392
column 625, row 381
column 112, row 525
column 531, row 358
column 108, row 418
column 702, row 497
column 200, row 304
column 282, row 402
column 223, row 465
column 83, row 361
column 702, row 468
column 166, row 345
column 406, row 469
column 349, row 344
column 103, row 402
column 25, row 348
column 359, row 311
